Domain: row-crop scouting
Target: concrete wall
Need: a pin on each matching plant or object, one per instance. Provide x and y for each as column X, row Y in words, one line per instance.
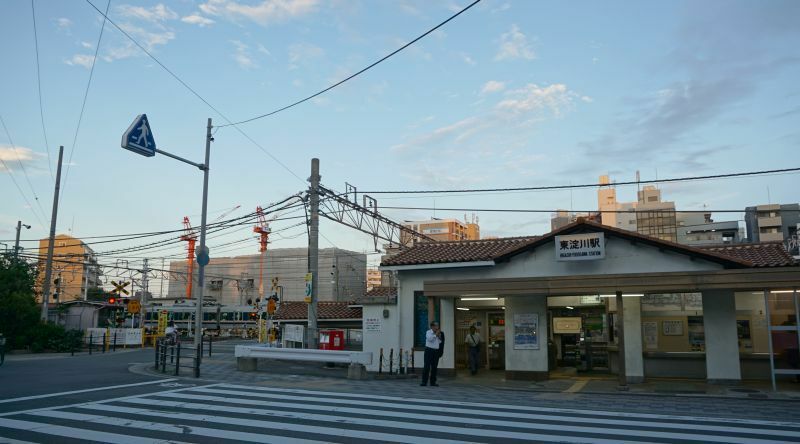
column 526, row 364
column 722, row 345
column 387, row 338
column 632, row 319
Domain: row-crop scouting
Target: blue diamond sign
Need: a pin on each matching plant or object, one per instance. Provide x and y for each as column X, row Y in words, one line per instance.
column 139, row 138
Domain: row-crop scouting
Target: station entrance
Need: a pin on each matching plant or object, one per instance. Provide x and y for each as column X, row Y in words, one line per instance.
column 578, row 332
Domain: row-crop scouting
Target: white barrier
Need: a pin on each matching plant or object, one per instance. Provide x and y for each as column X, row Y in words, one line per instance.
column 303, row 354
column 118, row 336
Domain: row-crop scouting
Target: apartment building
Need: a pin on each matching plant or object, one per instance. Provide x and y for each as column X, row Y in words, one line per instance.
column 75, row 269
column 773, row 222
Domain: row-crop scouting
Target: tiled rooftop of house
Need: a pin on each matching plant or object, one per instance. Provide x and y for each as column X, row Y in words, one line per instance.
column 293, row 310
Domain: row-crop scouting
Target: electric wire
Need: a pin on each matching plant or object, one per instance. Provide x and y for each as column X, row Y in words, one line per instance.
column 589, row 185
column 39, row 85
column 632, row 211
column 11, row 175
column 24, row 171
column 363, row 70
column 195, row 93
column 85, row 97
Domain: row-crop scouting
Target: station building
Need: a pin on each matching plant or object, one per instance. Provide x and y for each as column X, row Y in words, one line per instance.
column 593, row 298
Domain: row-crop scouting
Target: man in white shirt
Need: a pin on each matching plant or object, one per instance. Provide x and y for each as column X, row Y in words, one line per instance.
column 473, row 341
column 434, row 345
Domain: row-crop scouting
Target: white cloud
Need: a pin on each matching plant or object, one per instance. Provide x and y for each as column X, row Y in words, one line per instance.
column 84, row 60
column 157, row 13
column 493, row 86
column 87, row 45
column 468, row 59
column 63, row 23
column 514, row 45
column 197, row 19
column 556, row 98
column 303, row 52
column 148, row 39
column 13, row 156
column 263, row 13
column 242, row 55
column 263, row 49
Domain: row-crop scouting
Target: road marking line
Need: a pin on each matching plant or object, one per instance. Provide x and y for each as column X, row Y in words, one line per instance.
column 110, row 387
column 578, row 386
column 174, row 428
column 443, row 414
column 436, row 402
column 71, row 432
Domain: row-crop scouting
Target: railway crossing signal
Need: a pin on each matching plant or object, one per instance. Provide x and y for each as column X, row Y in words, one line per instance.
column 120, row 288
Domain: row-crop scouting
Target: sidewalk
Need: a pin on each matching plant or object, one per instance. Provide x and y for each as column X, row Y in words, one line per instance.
column 221, row 367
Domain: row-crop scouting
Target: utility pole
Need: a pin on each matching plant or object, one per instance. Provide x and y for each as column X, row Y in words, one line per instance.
column 48, row 268
column 143, row 299
column 313, row 254
column 201, row 264
column 16, row 243
column 85, row 267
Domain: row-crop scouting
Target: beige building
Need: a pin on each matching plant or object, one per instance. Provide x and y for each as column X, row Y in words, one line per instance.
column 373, row 278
column 75, row 269
column 648, row 215
column 563, row 217
column 444, row 229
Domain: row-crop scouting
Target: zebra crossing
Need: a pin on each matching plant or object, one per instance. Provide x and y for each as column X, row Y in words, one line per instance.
column 220, row 413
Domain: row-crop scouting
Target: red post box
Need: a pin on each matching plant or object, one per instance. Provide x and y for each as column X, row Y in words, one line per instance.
column 331, row 340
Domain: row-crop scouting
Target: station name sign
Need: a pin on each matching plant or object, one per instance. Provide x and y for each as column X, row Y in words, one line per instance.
column 580, row 247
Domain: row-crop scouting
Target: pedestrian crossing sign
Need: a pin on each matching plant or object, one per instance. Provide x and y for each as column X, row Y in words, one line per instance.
column 139, row 138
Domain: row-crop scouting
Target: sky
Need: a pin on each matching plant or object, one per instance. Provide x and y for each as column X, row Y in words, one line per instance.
column 509, row 94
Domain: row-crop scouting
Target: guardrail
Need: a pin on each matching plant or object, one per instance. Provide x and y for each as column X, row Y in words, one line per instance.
column 303, row 354
column 165, row 349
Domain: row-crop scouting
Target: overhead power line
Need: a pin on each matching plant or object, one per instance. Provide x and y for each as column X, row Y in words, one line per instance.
column 587, row 185
column 85, row 96
column 39, row 85
column 24, row 171
column 524, row 210
column 194, row 92
column 363, row 70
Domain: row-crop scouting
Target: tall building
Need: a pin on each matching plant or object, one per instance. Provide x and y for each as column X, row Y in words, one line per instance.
column 700, row 229
column 648, row 215
column 373, row 278
column 563, row 217
column 75, row 268
column 773, row 222
column 444, row 229
column 234, row 280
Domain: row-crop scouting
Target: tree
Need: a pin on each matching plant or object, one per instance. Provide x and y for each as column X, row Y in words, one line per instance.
column 96, row 294
column 18, row 310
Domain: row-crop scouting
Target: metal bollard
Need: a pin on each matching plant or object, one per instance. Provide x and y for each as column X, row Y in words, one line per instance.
column 400, row 368
column 104, row 342
column 413, row 369
column 178, row 360
column 391, row 359
column 210, row 340
column 90, row 343
column 157, row 350
column 114, row 345
column 380, row 362
column 197, row 365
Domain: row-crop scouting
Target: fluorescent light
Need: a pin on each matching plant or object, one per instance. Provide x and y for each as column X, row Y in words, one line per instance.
column 570, row 308
column 462, row 308
column 624, row 295
column 478, row 299
column 776, row 292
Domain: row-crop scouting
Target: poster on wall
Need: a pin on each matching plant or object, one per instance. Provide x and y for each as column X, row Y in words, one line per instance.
column 672, row 328
column 650, row 332
column 526, row 326
column 373, row 324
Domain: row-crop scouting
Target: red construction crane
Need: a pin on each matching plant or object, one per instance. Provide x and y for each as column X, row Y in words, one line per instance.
column 262, row 228
column 190, row 236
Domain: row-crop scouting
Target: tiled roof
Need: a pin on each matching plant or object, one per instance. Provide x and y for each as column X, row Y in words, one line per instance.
column 767, row 254
column 379, row 295
column 458, row 251
column 743, row 255
column 292, row 310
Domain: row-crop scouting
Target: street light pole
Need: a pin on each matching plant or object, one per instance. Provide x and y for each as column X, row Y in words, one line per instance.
column 16, row 243
column 48, row 270
column 201, row 269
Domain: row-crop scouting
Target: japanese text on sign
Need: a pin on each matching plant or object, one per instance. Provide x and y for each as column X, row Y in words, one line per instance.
column 580, row 247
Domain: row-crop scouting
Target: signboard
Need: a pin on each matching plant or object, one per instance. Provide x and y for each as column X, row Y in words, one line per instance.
column 591, row 300
column 293, row 333
column 570, row 325
column 526, row 326
column 672, row 328
column 120, row 287
column 202, row 256
column 580, row 247
column 163, row 315
column 444, row 230
column 374, row 325
column 134, row 306
column 309, row 286
column 139, row 138
column 650, row 334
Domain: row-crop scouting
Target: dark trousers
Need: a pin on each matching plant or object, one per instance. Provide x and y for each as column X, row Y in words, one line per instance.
column 474, row 359
column 431, row 365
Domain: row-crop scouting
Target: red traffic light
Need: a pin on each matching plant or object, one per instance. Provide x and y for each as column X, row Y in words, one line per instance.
column 112, row 300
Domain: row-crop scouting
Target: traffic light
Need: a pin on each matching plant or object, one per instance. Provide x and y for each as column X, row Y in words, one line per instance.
column 271, row 306
column 56, row 281
column 112, row 300
column 55, row 296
